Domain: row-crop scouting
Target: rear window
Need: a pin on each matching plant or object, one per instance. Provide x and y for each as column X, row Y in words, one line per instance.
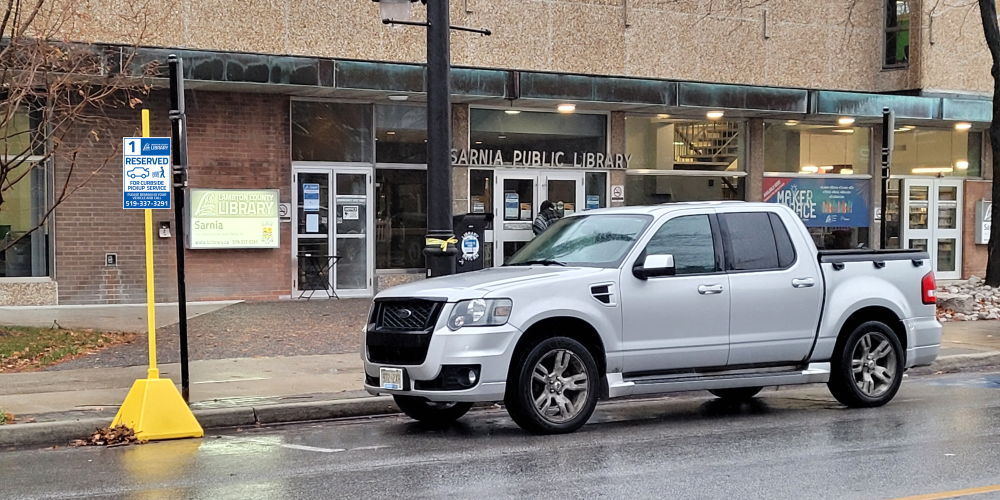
column 756, row 241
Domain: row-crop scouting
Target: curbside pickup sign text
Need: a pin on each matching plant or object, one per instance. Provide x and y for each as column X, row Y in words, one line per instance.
column 233, row 218
column 146, row 174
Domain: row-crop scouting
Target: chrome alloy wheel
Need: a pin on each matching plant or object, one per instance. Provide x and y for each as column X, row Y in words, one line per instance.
column 874, row 364
column 559, row 385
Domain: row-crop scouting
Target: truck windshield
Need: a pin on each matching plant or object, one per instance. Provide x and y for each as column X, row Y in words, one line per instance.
column 583, row 241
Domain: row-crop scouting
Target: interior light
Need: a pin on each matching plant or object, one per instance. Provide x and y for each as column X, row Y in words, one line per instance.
column 792, row 123
column 715, row 115
column 847, row 171
column 826, row 167
column 501, row 137
column 810, row 169
column 663, row 116
column 566, row 108
column 479, row 142
column 905, row 128
column 932, row 170
column 513, row 111
column 390, row 133
column 962, row 165
column 398, row 97
column 963, row 126
column 845, row 121
column 844, row 130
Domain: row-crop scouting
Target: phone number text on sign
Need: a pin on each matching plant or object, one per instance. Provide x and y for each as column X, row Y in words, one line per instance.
column 146, row 171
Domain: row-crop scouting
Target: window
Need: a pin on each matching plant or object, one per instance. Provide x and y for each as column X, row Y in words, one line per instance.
column 751, row 243
column 586, row 241
column 331, row 131
column 493, row 130
column 401, row 134
column 400, row 218
column 923, row 151
column 786, row 252
column 674, row 159
column 596, row 186
column 897, row 33
column 805, row 148
column 24, row 237
column 689, row 240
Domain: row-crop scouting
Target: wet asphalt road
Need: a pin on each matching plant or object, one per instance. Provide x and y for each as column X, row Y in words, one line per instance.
column 941, row 433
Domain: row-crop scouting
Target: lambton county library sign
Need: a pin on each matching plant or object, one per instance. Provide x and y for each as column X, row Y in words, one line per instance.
column 495, row 158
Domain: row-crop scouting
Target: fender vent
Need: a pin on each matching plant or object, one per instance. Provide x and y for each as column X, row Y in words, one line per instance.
column 603, row 293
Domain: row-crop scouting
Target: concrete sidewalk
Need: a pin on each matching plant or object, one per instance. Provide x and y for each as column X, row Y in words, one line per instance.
column 248, row 391
column 105, row 317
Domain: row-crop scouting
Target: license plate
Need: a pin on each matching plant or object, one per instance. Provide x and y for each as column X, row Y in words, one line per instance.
column 391, row 378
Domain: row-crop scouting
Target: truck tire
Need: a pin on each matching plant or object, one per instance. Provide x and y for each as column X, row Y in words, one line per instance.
column 867, row 366
column 736, row 394
column 553, row 389
column 431, row 412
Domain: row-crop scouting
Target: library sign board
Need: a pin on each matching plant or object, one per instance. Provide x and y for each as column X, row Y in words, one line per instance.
column 233, row 218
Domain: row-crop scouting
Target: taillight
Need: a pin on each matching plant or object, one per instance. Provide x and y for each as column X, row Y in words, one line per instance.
column 928, row 289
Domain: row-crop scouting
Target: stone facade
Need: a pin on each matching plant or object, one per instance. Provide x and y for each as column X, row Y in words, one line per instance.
column 29, row 293
column 790, row 43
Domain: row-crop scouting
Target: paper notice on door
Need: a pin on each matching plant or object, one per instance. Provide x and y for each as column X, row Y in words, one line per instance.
column 310, row 197
column 351, row 212
column 312, row 223
column 510, row 206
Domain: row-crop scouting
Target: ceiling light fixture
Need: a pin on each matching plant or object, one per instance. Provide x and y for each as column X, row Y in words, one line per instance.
column 962, row 165
column 963, row 126
column 826, row 168
column 810, row 169
column 566, row 108
column 792, row 123
column 479, row 142
column 501, row 137
column 663, row 116
column 845, row 121
column 398, row 97
column 513, row 111
column 715, row 115
column 843, row 130
column 390, row 133
column 847, row 171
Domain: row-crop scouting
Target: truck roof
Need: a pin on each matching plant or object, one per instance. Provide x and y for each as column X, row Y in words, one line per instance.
column 669, row 207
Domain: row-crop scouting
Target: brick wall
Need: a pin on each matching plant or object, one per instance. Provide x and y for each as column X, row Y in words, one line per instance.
column 234, row 141
column 974, row 256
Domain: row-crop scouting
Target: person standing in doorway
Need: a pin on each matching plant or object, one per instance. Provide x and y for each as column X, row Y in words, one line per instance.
column 546, row 216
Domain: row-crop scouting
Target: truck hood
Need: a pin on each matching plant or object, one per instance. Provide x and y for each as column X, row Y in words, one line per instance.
column 478, row 284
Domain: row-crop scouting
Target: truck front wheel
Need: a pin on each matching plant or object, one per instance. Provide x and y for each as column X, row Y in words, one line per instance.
column 555, row 387
column 431, row 412
column 867, row 366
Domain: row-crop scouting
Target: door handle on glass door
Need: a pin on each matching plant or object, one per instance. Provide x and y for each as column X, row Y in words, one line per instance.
column 709, row 289
column 803, row 282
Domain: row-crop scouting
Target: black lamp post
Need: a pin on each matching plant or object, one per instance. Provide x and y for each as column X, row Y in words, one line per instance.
column 439, row 245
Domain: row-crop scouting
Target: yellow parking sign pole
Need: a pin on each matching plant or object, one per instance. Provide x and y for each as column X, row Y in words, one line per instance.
column 154, row 408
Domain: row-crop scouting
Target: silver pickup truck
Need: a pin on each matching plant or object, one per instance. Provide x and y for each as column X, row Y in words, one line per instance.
column 725, row 297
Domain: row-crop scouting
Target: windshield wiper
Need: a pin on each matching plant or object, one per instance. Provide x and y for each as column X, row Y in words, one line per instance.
column 541, row 262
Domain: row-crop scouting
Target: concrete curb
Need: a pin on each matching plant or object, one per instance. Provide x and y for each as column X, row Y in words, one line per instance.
column 959, row 362
column 64, row 432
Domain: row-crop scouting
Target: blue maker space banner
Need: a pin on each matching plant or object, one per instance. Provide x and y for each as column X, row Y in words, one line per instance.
column 822, row 202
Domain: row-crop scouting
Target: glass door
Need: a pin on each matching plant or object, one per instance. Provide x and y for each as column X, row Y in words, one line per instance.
column 352, row 197
column 565, row 190
column 947, row 217
column 332, row 249
column 931, row 221
column 515, row 210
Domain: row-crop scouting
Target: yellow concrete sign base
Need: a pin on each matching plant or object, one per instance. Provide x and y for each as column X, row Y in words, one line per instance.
column 155, row 410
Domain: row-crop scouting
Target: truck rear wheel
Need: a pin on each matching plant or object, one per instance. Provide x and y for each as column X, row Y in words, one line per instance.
column 431, row 412
column 867, row 366
column 554, row 387
column 736, row 394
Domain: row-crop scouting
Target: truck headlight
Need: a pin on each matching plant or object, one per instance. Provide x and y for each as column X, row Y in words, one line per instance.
column 480, row 312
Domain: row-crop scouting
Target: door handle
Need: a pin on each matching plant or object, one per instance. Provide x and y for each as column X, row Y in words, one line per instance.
column 710, row 289
column 803, row 282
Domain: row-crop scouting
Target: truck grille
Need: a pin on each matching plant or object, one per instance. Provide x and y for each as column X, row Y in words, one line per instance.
column 399, row 331
column 408, row 315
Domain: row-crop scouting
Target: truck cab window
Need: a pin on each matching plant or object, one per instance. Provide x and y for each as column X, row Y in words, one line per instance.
column 689, row 240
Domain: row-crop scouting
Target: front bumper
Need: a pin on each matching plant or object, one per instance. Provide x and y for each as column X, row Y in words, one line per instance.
column 923, row 340
column 489, row 347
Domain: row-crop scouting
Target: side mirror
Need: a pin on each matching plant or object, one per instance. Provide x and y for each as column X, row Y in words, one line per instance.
column 655, row 265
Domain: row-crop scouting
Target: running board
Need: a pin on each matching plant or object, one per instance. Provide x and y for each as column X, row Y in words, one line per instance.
column 815, row 373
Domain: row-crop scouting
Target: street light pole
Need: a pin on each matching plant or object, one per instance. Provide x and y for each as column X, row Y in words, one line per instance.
column 440, row 242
